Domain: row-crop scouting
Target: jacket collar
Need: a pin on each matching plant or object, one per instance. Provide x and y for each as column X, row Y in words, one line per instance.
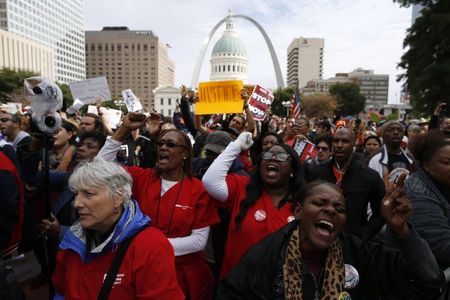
column 131, row 221
column 384, row 156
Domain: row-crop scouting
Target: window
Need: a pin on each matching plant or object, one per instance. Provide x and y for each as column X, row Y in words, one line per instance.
column 162, row 101
column 145, row 47
column 170, row 101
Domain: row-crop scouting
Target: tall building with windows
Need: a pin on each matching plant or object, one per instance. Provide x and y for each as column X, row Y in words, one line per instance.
column 57, row 24
column 305, row 60
column 135, row 60
column 18, row 53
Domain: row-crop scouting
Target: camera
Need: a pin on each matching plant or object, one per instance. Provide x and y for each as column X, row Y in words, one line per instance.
column 46, row 98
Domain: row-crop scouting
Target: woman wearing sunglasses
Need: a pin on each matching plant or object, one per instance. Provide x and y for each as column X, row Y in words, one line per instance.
column 259, row 204
column 176, row 202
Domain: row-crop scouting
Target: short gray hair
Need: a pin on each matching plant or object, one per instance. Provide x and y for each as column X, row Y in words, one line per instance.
column 99, row 173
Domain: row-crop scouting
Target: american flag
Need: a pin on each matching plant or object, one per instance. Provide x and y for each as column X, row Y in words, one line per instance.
column 296, row 103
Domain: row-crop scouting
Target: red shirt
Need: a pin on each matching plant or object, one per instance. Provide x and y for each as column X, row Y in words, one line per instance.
column 185, row 206
column 262, row 219
column 143, row 274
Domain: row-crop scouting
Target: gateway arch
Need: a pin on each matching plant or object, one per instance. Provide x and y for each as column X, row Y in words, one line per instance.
column 201, row 55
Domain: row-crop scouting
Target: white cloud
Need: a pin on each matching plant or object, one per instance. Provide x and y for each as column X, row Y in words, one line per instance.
column 357, row 33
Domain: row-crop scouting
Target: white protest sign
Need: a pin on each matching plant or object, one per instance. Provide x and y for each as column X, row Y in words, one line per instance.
column 87, row 90
column 259, row 102
column 12, row 107
column 92, row 109
column 112, row 116
column 132, row 102
column 77, row 104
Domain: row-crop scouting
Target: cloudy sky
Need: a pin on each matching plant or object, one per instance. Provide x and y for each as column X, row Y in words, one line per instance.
column 358, row 33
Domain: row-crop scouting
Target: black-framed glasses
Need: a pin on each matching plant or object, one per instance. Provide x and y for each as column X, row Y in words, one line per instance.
column 169, row 144
column 4, row 120
column 280, row 156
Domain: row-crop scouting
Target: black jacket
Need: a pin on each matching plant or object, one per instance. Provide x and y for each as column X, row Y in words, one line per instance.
column 381, row 272
column 361, row 186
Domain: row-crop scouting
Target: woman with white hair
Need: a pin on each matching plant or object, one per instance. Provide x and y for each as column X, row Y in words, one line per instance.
column 112, row 243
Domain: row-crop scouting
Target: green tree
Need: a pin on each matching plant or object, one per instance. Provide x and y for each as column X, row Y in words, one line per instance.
column 426, row 63
column 281, row 95
column 350, row 100
column 67, row 95
column 11, row 83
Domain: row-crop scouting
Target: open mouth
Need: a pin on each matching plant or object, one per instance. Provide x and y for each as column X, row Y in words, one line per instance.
column 163, row 157
column 325, row 227
column 272, row 170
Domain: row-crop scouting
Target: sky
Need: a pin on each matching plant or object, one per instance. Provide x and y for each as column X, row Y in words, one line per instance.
column 364, row 34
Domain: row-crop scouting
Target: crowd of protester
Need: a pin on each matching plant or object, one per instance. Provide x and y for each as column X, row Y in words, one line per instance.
column 203, row 207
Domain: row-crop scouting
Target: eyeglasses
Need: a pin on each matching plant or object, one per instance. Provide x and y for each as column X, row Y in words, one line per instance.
column 4, row 120
column 169, row 144
column 322, row 149
column 280, row 156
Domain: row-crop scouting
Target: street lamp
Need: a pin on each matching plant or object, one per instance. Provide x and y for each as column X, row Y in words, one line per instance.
column 286, row 104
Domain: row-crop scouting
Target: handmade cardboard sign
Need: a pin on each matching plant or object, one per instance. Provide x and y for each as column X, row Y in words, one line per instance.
column 219, row 97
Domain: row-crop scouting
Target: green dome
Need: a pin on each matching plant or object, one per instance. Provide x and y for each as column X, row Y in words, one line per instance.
column 229, row 44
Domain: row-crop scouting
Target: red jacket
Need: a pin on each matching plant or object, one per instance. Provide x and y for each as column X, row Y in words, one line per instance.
column 143, row 274
column 12, row 203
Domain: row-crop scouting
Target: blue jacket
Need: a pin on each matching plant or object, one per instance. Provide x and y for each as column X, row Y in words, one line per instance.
column 131, row 222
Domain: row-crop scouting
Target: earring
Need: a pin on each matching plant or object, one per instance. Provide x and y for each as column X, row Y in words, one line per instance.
column 292, row 175
column 116, row 211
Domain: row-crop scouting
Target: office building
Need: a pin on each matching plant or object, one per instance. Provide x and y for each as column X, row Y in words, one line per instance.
column 135, row 60
column 305, row 61
column 18, row 53
column 57, row 24
column 373, row 86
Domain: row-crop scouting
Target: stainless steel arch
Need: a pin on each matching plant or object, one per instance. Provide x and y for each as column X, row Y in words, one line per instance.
column 201, row 55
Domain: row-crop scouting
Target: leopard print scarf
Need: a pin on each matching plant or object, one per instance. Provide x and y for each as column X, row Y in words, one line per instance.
column 333, row 283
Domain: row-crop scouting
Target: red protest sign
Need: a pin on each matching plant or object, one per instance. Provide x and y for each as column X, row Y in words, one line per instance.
column 259, row 102
column 305, row 150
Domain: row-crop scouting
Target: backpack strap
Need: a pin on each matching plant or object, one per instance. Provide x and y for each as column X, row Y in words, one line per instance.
column 112, row 273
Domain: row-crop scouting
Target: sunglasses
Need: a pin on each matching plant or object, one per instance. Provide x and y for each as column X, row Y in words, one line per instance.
column 280, row 156
column 169, row 144
column 4, row 120
column 322, row 149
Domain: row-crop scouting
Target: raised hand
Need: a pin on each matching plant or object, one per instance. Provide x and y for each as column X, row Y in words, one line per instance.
column 396, row 208
column 245, row 140
column 133, row 121
column 183, row 91
column 50, row 227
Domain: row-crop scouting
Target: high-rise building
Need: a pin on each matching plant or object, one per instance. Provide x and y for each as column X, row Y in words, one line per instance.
column 57, row 24
column 19, row 53
column 135, row 60
column 305, row 60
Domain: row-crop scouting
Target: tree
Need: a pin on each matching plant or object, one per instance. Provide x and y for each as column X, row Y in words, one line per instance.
column 349, row 99
column 67, row 95
column 426, row 63
column 319, row 105
column 11, row 83
column 281, row 95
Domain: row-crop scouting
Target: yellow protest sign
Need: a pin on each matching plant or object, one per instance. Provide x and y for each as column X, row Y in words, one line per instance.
column 219, row 97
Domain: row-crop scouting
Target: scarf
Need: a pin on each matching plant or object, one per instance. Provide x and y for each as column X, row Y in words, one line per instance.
column 334, row 280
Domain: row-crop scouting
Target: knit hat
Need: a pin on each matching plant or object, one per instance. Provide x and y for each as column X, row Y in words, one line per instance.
column 390, row 123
